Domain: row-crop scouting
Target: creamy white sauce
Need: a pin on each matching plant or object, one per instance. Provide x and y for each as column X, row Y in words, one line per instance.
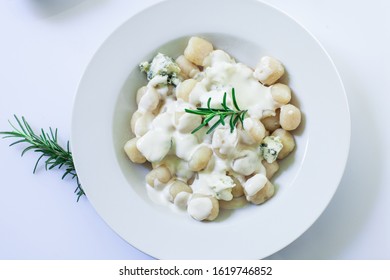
column 200, row 208
column 224, row 74
column 214, row 184
column 155, row 144
column 159, row 194
column 264, row 69
column 246, row 162
column 225, row 141
column 185, row 145
column 142, row 125
column 165, row 141
column 149, row 101
column 255, row 184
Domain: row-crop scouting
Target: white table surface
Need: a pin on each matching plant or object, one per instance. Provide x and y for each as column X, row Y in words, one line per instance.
column 45, row 47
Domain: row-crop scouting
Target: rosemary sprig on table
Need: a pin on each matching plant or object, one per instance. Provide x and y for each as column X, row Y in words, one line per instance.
column 47, row 145
column 209, row 113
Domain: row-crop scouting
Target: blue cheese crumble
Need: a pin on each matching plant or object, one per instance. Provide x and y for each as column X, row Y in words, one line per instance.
column 162, row 69
column 270, row 148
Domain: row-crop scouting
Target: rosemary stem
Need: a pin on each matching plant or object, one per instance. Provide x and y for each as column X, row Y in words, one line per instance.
column 47, row 145
column 221, row 113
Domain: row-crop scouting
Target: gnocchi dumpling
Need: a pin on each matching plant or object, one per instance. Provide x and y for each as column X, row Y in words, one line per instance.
column 141, row 122
column 132, row 151
column 290, row 117
column 263, row 195
column 287, row 140
column 197, row 49
column 237, row 190
column 159, row 175
column 177, row 187
column 149, row 100
column 245, row 163
column 184, row 89
column 200, row 158
column 255, row 129
column 188, row 69
column 134, row 118
column 258, row 189
column 281, row 93
column 141, row 92
column 187, row 123
column 268, row 70
column 271, row 123
column 202, row 207
column 154, row 146
column 235, row 203
column 270, row 168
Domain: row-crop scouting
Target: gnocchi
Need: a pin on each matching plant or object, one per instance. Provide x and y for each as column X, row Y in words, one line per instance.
column 197, row 50
column 159, row 175
column 214, row 130
column 177, row 187
column 132, row 151
column 290, row 117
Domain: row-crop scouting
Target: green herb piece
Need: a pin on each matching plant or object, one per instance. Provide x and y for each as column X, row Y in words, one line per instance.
column 47, row 145
column 209, row 113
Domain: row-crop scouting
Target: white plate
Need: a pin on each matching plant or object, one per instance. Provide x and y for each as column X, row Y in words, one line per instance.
column 247, row 30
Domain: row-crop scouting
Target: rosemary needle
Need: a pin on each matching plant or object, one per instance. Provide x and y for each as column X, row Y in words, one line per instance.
column 209, row 113
column 47, row 145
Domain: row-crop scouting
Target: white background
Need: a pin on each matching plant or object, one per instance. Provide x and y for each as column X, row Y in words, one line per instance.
column 45, row 45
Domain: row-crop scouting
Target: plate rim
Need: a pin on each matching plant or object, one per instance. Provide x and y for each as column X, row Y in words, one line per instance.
column 329, row 59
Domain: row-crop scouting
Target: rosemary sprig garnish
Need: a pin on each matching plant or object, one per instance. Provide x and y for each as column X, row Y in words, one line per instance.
column 47, row 145
column 209, row 113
